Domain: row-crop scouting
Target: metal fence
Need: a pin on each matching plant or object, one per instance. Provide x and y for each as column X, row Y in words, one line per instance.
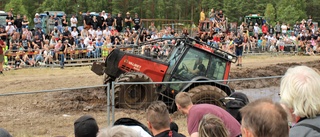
column 52, row 112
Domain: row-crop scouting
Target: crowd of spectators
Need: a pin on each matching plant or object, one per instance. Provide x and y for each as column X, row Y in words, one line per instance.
column 98, row 37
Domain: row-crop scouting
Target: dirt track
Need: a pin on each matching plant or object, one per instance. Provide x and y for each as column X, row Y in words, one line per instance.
column 52, row 114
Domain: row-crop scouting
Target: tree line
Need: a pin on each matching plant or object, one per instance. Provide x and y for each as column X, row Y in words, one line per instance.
column 288, row 11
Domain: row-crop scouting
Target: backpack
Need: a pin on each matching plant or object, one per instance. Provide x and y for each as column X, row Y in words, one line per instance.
column 234, row 103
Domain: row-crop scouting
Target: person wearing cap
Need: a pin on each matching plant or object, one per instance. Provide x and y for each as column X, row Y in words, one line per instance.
column 37, row 21
column 103, row 13
column 86, row 126
column 101, row 21
column 128, row 20
column 119, row 22
column 10, row 29
column 136, row 21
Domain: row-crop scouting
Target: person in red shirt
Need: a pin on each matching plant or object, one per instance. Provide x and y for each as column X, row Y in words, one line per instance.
column 2, row 45
column 264, row 29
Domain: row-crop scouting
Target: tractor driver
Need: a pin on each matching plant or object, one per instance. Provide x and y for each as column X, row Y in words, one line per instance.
column 198, row 68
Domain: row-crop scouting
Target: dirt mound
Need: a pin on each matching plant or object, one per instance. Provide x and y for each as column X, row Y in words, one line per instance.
column 271, row 70
column 74, row 100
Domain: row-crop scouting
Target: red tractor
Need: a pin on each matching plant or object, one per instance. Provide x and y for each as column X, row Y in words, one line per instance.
column 189, row 60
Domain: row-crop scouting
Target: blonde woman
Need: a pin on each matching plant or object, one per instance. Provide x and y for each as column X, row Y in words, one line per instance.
column 212, row 126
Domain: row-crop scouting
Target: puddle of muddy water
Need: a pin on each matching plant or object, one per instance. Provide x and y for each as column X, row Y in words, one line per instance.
column 253, row 94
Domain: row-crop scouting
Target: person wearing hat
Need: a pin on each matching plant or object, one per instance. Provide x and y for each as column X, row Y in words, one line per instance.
column 137, row 21
column 119, row 22
column 10, row 29
column 128, row 20
column 86, row 126
column 37, row 21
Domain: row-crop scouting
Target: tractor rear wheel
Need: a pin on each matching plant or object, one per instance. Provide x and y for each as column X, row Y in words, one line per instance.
column 134, row 96
column 207, row 94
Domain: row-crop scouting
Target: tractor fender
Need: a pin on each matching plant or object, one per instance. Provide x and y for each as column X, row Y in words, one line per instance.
column 219, row 85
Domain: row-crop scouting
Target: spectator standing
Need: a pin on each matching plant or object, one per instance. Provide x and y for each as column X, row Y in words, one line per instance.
column 18, row 24
column 299, row 92
column 278, row 28
column 25, row 22
column 37, row 21
column 63, row 51
column 158, row 120
column 2, row 46
column 73, row 22
column 9, row 18
column 196, row 112
column 86, row 126
column 50, row 24
column 263, row 118
column 87, row 22
column 271, row 30
column 119, row 22
column 264, row 29
column 109, row 21
column 128, row 20
column 284, row 29
column 64, row 21
column 211, row 15
column 137, row 22
column 238, row 42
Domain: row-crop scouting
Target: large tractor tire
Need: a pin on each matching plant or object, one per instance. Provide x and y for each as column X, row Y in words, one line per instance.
column 134, row 96
column 207, row 94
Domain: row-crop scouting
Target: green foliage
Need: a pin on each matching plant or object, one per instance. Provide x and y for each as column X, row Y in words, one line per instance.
column 16, row 7
column 270, row 14
column 235, row 10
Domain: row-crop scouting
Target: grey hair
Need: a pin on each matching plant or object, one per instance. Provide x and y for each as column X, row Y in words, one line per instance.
column 118, row 131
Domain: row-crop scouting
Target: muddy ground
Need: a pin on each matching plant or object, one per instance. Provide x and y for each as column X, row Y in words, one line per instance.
column 53, row 114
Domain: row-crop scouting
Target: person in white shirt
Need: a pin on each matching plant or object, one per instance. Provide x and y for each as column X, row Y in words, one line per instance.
column 73, row 21
column 98, row 32
column 10, row 29
column 87, row 40
column 106, row 32
column 284, row 28
column 90, row 48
